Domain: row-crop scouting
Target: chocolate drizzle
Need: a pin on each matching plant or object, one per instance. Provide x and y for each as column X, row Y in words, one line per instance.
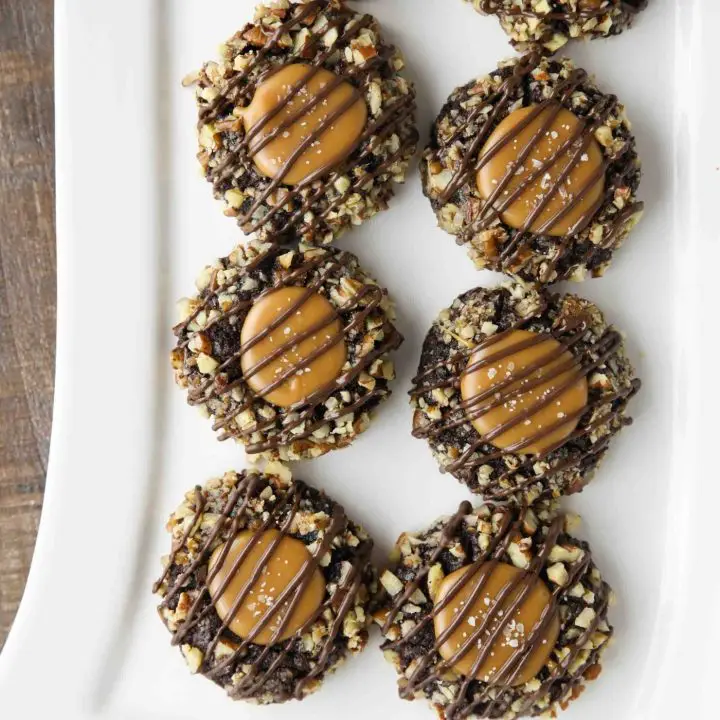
column 397, row 117
column 353, row 313
column 513, row 255
column 448, row 374
column 560, row 19
column 198, row 576
column 489, row 698
column 578, row 15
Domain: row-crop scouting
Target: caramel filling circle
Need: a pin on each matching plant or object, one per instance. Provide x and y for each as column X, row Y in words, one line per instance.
column 282, row 568
column 302, row 121
column 519, row 390
column 481, row 618
column 295, row 345
column 572, row 198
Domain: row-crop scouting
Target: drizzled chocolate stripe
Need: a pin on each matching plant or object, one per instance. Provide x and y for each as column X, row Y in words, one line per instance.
column 492, row 208
column 241, row 88
column 377, row 131
column 200, row 506
column 582, row 365
column 227, row 98
column 229, row 524
column 429, row 669
column 578, row 14
column 297, row 88
column 362, row 304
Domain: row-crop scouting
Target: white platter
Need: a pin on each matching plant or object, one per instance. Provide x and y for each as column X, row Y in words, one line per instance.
column 135, row 224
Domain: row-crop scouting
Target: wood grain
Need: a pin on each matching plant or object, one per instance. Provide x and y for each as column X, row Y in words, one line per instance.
column 27, row 284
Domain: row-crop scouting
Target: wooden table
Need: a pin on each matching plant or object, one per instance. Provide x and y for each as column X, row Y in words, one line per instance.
column 27, row 284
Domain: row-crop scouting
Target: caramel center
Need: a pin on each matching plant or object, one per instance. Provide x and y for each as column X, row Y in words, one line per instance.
column 302, row 121
column 572, row 198
column 485, row 615
column 519, row 390
column 295, row 345
column 281, row 569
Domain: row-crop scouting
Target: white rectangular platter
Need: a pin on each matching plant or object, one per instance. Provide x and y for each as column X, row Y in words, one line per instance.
column 136, row 222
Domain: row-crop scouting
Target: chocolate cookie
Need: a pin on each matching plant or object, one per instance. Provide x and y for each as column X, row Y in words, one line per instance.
column 496, row 612
column 549, row 24
column 535, row 170
column 266, row 585
column 287, row 350
column 305, row 123
column 519, row 391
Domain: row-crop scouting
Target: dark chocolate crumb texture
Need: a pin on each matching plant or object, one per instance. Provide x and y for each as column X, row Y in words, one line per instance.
column 549, row 24
column 494, row 612
column 266, row 585
column 519, row 391
column 535, row 170
column 305, row 123
column 286, row 349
